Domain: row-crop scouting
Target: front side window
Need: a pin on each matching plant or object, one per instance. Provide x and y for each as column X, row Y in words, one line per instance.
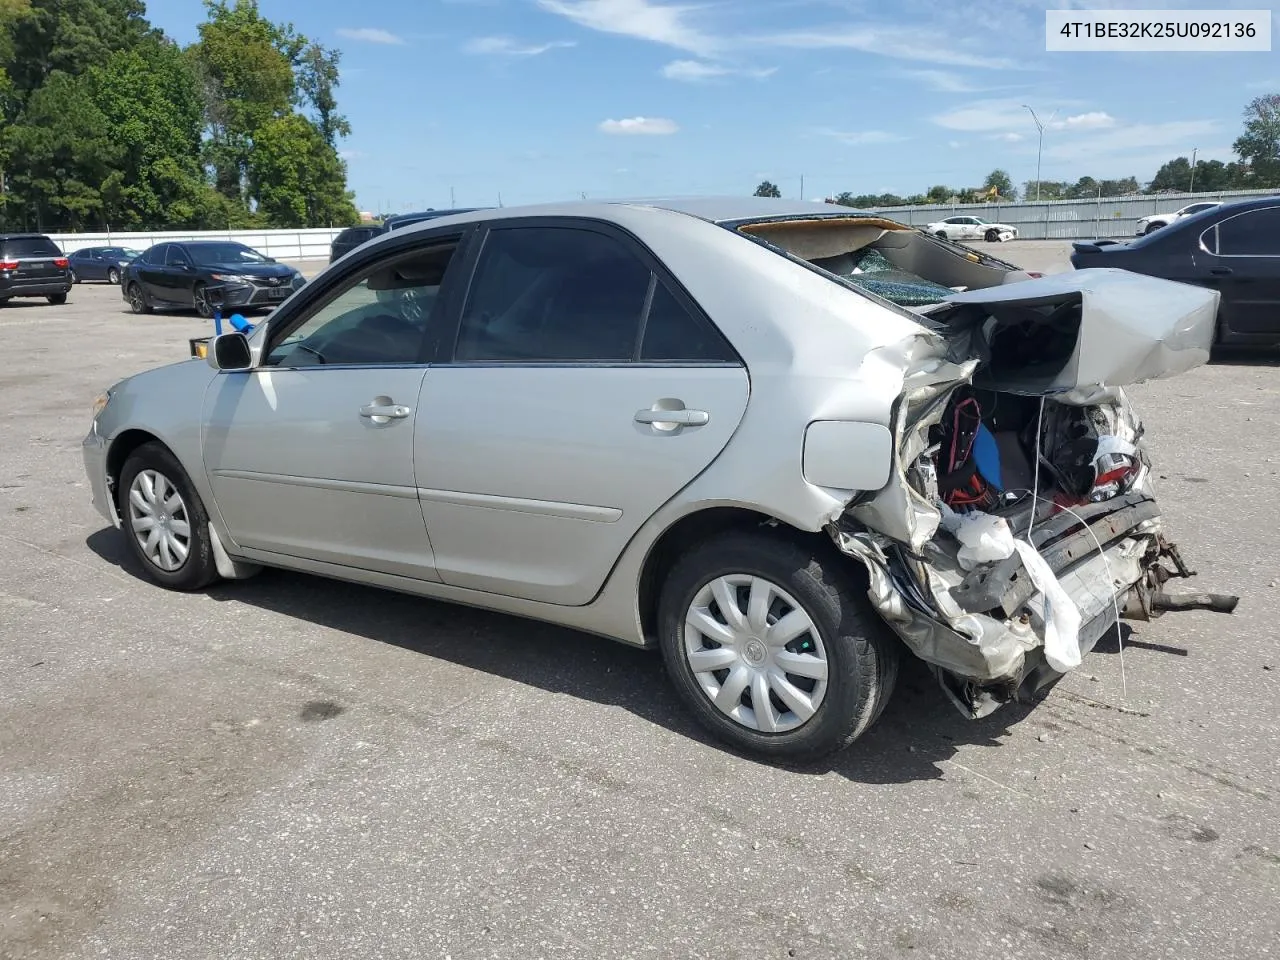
column 1252, row 234
column 177, row 257
column 380, row 317
column 553, row 294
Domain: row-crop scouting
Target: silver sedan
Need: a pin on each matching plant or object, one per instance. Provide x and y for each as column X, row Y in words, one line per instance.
column 707, row 426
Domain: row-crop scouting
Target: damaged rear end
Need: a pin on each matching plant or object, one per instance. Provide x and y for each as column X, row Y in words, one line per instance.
column 1020, row 522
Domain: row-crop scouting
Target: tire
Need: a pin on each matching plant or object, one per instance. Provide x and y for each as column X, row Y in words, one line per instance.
column 138, row 301
column 860, row 655
column 993, row 236
column 200, row 300
column 4, row 301
column 75, row 277
column 1152, row 228
column 152, row 466
column 113, row 276
column 57, row 299
column 941, row 234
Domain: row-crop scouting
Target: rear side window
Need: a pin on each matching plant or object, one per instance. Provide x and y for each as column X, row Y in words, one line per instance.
column 1252, row 234
column 30, row 247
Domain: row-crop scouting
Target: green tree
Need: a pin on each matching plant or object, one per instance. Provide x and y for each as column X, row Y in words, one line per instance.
column 1259, row 145
column 768, row 189
column 1002, row 183
column 939, row 194
column 1048, row 189
column 64, row 160
column 296, row 177
column 318, row 80
column 1173, row 175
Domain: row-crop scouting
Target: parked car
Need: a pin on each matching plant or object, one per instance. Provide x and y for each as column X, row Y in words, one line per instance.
column 31, row 265
column 100, row 263
column 198, row 274
column 1232, row 248
column 353, row 237
column 668, row 424
column 1157, row 220
column 972, row 228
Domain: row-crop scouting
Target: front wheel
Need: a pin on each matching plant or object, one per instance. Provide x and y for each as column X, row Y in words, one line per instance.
column 75, row 277
column 113, row 276
column 200, row 298
column 57, row 299
column 941, row 234
column 1152, row 228
column 165, row 521
column 993, row 236
column 771, row 646
column 138, row 302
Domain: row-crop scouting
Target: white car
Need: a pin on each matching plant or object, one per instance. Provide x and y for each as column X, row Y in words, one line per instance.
column 1157, row 220
column 971, row 228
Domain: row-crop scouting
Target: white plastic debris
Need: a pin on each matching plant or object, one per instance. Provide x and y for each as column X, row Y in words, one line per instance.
column 1061, row 616
column 983, row 538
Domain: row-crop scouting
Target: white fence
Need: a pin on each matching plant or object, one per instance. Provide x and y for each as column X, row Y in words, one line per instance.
column 312, row 244
column 1087, row 219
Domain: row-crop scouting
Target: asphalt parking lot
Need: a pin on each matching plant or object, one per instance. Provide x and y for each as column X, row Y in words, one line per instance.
column 291, row 767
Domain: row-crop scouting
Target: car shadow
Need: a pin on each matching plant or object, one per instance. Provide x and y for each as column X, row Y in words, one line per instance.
column 918, row 732
column 1245, row 356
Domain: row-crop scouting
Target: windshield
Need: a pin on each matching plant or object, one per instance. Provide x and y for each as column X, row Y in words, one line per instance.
column 125, row 253
column 225, row 253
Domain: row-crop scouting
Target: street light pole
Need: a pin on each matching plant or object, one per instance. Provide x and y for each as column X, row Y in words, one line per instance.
column 1192, row 188
column 1039, row 149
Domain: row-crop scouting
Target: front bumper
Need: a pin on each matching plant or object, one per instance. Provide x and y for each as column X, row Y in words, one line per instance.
column 250, row 295
column 94, row 450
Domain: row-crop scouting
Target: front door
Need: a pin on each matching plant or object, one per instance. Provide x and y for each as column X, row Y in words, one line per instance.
column 1245, row 268
column 311, row 454
column 583, row 392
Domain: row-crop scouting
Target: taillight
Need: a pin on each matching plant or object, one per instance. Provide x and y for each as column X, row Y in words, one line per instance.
column 8, row 264
column 61, row 262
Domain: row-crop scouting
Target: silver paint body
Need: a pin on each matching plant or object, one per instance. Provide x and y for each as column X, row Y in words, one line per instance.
column 534, row 490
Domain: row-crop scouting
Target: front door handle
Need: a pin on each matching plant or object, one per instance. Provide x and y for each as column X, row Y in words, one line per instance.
column 673, row 418
column 1220, row 271
column 383, row 410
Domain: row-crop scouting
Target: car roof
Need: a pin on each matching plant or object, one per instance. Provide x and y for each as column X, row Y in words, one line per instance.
column 23, row 236
column 717, row 210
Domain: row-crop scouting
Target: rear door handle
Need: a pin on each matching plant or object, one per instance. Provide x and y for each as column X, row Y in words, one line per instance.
column 677, row 418
column 1220, row 271
column 383, row 409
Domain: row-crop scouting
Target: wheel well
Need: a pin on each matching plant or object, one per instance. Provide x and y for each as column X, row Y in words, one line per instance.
column 118, row 453
column 686, row 533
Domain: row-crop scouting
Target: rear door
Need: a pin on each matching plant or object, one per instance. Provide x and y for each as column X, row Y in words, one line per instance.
column 33, row 261
column 581, row 391
column 151, row 271
column 1241, row 257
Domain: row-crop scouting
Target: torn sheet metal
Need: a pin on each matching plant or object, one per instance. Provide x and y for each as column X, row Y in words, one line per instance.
column 1131, row 327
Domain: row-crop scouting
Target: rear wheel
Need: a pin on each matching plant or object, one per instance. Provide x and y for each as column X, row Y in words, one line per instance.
column 57, row 299
column 164, row 520
column 113, row 276
column 75, row 277
column 138, row 301
column 772, row 647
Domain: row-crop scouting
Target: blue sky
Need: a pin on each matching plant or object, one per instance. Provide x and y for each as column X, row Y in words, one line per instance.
column 535, row 100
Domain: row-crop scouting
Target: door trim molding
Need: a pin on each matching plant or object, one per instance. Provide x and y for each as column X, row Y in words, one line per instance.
column 546, row 508
column 347, row 486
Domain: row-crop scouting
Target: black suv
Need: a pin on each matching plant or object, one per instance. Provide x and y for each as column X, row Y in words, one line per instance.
column 31, row 265
column 353, row 237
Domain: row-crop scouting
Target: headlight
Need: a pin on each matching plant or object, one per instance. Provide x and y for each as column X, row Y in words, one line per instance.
column 229, row 278
column 100, row 403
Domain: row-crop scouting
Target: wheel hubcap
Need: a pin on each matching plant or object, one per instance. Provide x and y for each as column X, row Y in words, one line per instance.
column 158, row 517
column 755, row 653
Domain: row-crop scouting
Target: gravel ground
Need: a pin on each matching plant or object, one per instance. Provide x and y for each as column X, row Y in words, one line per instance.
column 291, row 767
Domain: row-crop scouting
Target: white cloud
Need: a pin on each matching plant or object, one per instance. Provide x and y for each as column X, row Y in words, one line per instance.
column 990, row 116
column 953, row 144
column 510, row 47
column 659, row 23
column 1144, row 139
column 1086, row 121
column 650, row 126
column 903, row 43
column 370, row 35
column 860, row 138
column 941, row 80
column 1008, row 136
column 695, row 71
column 352, row 154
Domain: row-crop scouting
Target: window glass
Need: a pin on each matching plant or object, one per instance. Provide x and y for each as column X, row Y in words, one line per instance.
column 381, row 317
column 30, row 247
column 1256, row 233
column 673, row 333
column 157, row 254
column 553, row 294
column 225, row 252
column 177, row 256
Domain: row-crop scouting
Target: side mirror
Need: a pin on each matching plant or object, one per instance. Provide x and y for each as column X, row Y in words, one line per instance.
column 229, row 351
